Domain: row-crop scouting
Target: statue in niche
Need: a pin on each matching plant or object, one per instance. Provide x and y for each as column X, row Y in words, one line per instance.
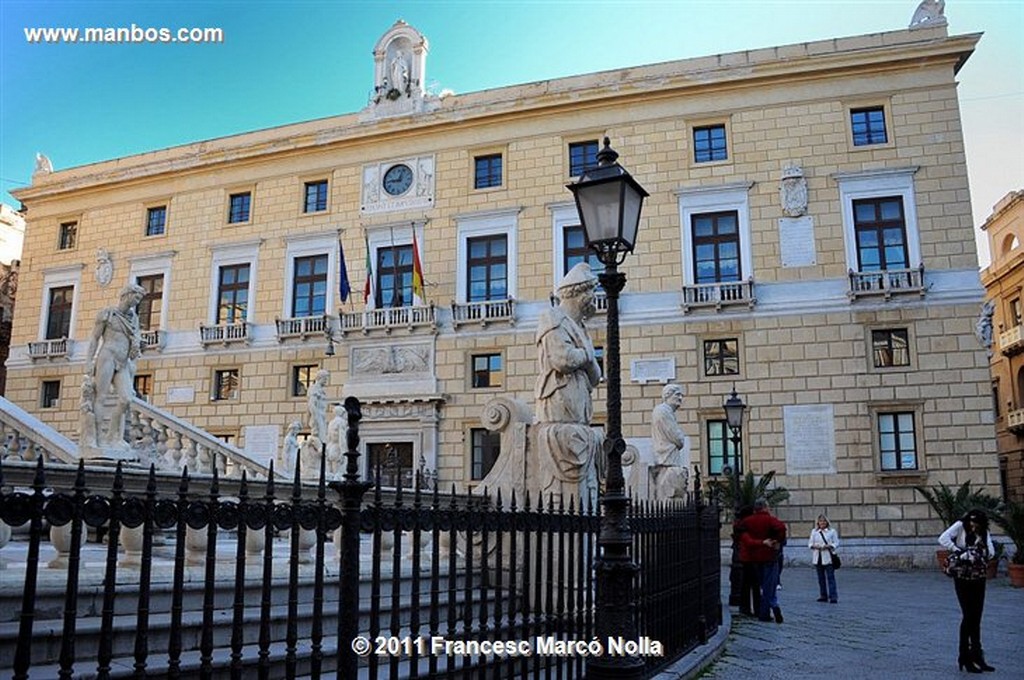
column 43, row 165
column 929, row 13
column 398, row 74
column 793, row 191
column 335, row 433
column 316, row 405
column 983, row 328
column 104, row 267
column 290, row 447
column 567, row 447
column 115, row 344
column 671, row 446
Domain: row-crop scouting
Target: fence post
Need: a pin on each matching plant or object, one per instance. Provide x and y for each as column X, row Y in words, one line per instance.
column 351, row 491
column 698, row 502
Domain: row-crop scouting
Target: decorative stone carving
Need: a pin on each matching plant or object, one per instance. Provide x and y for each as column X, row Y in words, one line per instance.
column 289, row 447
column 567, row 447
column 104, row 267
column 983, row 328
column 929, row 13
column 110, row 376
column 316, row 405
column 400, row 65
column 43, row 165
column 391, row 359
column 670, row 475
column 420, row 193
column 793, row 191
column 399, row 75
column 335, row 431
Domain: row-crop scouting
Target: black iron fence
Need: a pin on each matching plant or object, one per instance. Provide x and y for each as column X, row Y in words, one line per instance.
column 420, row 584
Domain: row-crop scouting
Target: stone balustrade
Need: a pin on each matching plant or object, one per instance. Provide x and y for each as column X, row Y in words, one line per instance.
column 24, row 437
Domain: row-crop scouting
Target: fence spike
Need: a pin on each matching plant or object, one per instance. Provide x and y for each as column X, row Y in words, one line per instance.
column 498, row 505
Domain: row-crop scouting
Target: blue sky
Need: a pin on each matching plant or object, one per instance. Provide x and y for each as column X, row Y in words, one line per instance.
column 285, row 62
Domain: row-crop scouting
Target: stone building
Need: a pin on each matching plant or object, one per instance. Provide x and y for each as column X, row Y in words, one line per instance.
column 12, row 234
column 808, row 239
column 1004, row 282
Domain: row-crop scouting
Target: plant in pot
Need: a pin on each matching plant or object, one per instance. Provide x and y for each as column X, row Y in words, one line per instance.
column 1012, row 522
column 750, row 489
column 951, row 504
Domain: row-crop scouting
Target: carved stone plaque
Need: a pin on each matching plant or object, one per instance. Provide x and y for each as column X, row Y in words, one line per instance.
column 810, row 437
column 391, row 359
column 796, row 241
column 261, row 442
column 655, row 370
column 181, row 395
column 418, row 193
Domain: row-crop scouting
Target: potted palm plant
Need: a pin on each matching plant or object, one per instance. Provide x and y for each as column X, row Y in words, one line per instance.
column 951, row 504
column 1012, row 522
column 750, row 490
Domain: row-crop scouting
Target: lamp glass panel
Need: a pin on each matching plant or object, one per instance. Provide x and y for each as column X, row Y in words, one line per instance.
column 599, row 208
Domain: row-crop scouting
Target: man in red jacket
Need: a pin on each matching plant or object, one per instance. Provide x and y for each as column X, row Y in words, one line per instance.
column 761, row 535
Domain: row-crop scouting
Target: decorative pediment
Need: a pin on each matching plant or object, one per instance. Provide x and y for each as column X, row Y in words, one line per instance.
column 399, row 74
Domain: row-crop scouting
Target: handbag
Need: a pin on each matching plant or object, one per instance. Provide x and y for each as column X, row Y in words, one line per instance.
column 836, row 562
column 968, row 564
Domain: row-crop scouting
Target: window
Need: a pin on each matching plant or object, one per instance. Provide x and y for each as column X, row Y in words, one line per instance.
column 1015, row 312
column 486, row 447
column 225, row 384
column 302, row 377
column 58, row 318
column 599, row 356
column 49, row 394
column 890, row 347
column 896, row 441
column 716, row 247
column 394, row 461
column 868, row 126
column 143, row 386
column 68, row 237
column 238, row 207
column 233, row 294
column 487, row 371
column 316, row 196
column 156, row 220
column 309, row 289
column 575, row 249
column 226, row 437
column 150, row 307
column 582, row 156
column 721, row 450
column 996, row 409
column 880, row 234
column 709, row 144
column 721, row 357
column 394, row 276
column 487, row 265
column 487, row 171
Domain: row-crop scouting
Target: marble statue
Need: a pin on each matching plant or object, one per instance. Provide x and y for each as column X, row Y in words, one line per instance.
column 929, row 13
column 399, row 72
column 335, row 434
column 983, row 328
column 567, row 447
column 793, row 191
column 43, row 165
column 316, row 405
column 110, row 366
column 290, row 447
column 670, row 445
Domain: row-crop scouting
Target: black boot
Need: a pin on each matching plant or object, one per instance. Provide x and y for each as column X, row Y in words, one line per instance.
column 978, row 656
column 966, row 660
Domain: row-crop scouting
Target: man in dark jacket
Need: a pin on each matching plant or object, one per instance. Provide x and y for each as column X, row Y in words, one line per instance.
column 761, row 536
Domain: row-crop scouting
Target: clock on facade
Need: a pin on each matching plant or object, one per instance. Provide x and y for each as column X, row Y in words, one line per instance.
column 397, row 179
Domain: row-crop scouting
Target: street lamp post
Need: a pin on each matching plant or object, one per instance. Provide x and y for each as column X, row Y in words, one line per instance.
column 734, row 408
column 609, row 201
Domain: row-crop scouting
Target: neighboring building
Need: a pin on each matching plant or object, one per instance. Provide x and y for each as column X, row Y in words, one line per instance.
column 12, row 235
column 1004, row 286
column 808, row 239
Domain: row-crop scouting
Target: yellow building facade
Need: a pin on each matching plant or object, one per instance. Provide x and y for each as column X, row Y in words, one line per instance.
column 807, row 239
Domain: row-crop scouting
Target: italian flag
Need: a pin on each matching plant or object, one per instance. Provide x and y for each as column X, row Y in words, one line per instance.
column 418, row 298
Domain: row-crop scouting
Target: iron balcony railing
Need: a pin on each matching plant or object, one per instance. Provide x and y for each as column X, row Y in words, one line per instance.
column 886, row 283
column 49, row 349
column 718, row 295
column 484, row 312
column 388, row 319
column 302, row 327
column 226, row 333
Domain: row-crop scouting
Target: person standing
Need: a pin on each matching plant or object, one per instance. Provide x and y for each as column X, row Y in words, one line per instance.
column 762, row 534
column 822, row 542
column 750, row 586
column 970, row 546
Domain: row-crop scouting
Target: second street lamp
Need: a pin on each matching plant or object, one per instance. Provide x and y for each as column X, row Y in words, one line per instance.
column 734, row 408
column 609, row 201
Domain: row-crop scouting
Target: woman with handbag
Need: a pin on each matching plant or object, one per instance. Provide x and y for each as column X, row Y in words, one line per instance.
column 970, row 546
column 823, row 543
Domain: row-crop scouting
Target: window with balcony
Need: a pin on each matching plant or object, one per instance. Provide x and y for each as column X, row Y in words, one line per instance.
column 487, row 267
column 575, row 249
column 487, row 171
column 233, row 294
column 303, row 377
column 487, row 370
column 49, row 394
column 144, row 386
column 897, row 441
column 67, row 237
column 239, row 207
column 709, row 143
column 890, row 347
column 315, row 197
column 225, row 384
column 309, row 286
column 721, row 450
column 716, row 247
column 394, row 276
column 151, row 306
column 881, row 234
column 868, row 126
column 156, row 220
column 721, row 357
column 58, row 312
column 582, row 156
column 486, row 449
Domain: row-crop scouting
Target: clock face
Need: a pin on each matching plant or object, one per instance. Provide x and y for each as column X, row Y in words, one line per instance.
column 397, row 179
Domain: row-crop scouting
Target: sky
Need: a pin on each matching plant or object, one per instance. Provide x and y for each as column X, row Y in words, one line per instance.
column 290, row 61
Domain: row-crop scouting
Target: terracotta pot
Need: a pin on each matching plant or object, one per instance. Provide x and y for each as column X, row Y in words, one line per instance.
column 1017, row 575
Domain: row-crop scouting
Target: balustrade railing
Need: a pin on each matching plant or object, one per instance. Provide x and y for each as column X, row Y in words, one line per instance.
column 226, row 333
column 24, row 437
column 49, row 349
column 719, row 295
column 153, row 340
column 887, row 282
column 484, row 312
column 302, row 327
column 388, row 319
column 1012, row 341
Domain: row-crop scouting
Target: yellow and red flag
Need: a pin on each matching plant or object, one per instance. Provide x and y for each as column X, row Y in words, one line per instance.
column 418, row 298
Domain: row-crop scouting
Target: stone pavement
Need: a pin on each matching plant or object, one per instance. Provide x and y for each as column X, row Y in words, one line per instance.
column 899, row 625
